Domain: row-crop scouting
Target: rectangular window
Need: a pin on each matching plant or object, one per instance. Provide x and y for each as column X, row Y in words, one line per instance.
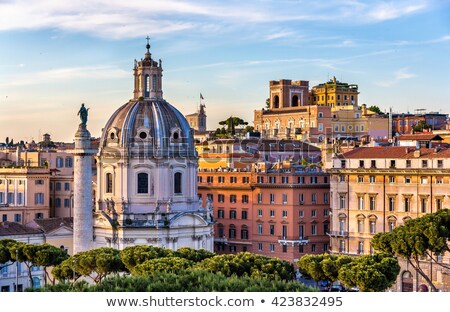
column 300, row 198
column 67, row 186
column 391, row 204
column 285, row 199
column 272, row 229
column 372, row 203
column 10, row 198
column 245, row 180
column 391, row 179
column 199, row 179
column 361, row 202
column 313, row 198
column 392, row 163
column 408, row 163
column 407, row 180
column 313, row 180
column 260, row 179
column 245, row 199
column 372, row 179
column 301, row 180
column 272, row 198
column 260, row 229
column 260, row 247
column 221, row 179
column 360, row 179
column 440, row 163
column 372, row 227
column 39, row 198
column 66, row 203
column 341, row 202
column 341, row 178
column 373, row 163
column 232, row 214
column 260, row 198
column 244, row 214
column 423, row 205
column 284, row 213
column 300, row 213
column 233, row 180
column 360, row 226
column 4, row 218
column 343, row 163
column 260, row 212
column 221, row 198
column 285, row 180
column 407, row 204
column 313, row 213
column 39, row 182
column 220, row 214
column 19, row 199
column 313, row 229
column 272, row 248
column 272, row 213
column 424, row 163
column 326, row 197
column 272, row 180
column 232, row 198
column 17, row 217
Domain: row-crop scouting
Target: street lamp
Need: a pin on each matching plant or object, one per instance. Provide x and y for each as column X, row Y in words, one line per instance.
column 17, row 270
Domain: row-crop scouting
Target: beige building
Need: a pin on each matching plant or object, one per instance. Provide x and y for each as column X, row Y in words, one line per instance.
column 24, row 194
column 375, row 189
column 326, row 113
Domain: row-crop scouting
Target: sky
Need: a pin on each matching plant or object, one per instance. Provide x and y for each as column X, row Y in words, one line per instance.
column 55, row 55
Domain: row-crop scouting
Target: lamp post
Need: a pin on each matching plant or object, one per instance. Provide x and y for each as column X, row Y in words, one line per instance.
column 17, row 270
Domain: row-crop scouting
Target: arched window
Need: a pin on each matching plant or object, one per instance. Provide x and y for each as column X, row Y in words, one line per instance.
column 108, row 183
column 154, row 82
column 59, row 162
column 177, row 183
column 276, row 101
column 147, row 85
column 294, row 101
column 142, row 183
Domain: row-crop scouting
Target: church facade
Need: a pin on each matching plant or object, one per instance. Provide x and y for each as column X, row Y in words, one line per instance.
column 147, row 173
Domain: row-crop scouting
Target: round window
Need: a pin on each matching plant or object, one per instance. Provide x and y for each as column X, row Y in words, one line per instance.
column 175, row 135
column 143, row 135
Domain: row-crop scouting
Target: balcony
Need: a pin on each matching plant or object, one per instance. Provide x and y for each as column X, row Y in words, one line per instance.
column 338, row 234
column 221, row 240
column 299, row 240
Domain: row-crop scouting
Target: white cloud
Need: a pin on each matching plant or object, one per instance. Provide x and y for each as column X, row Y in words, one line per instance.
column 65, row 74
column 133, row 18
column 398, row 75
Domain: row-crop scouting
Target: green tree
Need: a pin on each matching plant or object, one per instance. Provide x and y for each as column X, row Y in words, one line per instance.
column 47, row 255
column 374, row 109
column 248, row 264
column 187, row 281
column 5, row 255
column 267, row 103
column 231, row 123
column 165, row 264
column 373, row 273
column 195, row 255
column 421, row 125
column 426, row 236
column 95, row 263
column 135, row 255
column 312, row 265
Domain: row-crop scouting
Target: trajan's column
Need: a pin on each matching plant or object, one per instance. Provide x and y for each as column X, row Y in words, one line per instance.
column 82, row 210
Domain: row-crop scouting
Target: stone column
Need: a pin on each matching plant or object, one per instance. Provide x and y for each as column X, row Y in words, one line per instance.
column 82, row 210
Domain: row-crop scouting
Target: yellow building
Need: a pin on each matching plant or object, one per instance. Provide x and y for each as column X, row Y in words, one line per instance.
column 375, row 189
column 326, row 113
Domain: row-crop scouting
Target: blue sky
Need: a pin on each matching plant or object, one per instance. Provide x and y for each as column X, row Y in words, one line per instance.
column 55, row 55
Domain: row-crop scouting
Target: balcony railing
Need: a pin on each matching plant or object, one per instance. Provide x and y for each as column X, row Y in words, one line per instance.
column 338, row 234
column 299, row 240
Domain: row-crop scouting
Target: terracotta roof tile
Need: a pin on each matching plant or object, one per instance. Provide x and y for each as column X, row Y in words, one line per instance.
column 394, row 152
column 12, row 228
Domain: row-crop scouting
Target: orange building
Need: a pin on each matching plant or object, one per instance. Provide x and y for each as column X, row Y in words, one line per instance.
column 277, row 211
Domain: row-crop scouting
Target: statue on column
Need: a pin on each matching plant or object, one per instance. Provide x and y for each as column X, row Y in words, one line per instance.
column 83, row 113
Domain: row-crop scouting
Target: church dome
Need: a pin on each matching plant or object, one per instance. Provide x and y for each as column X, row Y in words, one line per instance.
column 150, row 125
